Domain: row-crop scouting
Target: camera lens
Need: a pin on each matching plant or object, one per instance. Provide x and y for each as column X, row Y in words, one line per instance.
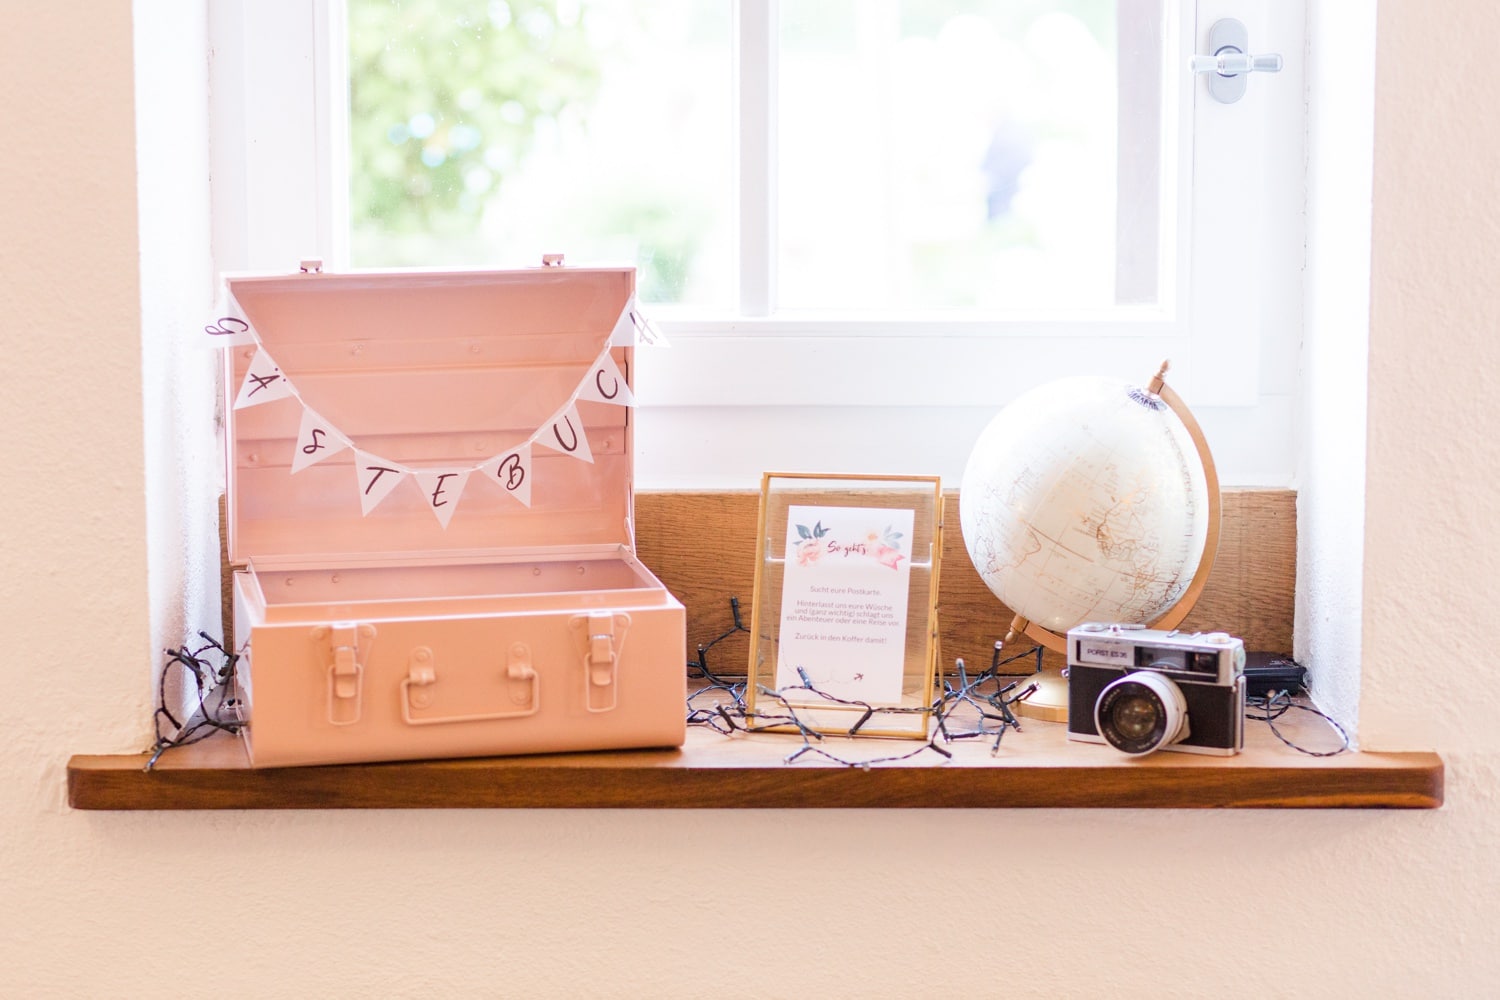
column 1135, row 715
column 1141, row 712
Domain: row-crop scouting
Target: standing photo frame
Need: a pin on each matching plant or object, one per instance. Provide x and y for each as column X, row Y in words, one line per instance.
column 844, row 624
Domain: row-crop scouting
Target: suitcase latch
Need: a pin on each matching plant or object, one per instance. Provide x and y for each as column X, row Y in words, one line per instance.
column 603, row 635
column 520, row 674
column 348, row 646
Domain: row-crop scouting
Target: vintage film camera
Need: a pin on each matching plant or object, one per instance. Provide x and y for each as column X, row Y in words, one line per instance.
column 1141, row 689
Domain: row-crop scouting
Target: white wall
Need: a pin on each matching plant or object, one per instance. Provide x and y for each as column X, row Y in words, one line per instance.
column 544, row 903
column 183, row 455
column 688, row 447
column 1340, row 80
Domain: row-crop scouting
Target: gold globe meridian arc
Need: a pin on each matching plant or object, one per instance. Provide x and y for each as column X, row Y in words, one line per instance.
column 1174, row 615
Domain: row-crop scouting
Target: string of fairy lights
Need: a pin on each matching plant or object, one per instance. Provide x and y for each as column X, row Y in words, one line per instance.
column 968, row 707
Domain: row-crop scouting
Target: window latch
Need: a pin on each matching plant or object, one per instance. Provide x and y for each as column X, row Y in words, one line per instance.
column 1230, row 61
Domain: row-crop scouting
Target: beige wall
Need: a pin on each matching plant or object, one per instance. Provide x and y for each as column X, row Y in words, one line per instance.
column 1434, row 429
column 1042, row 903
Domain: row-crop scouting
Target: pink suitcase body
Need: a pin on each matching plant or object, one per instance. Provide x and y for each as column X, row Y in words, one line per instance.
column 517, row 628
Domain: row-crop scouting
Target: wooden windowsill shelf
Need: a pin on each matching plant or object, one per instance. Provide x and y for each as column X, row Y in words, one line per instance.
column 1250, row 595
column 1037, row 767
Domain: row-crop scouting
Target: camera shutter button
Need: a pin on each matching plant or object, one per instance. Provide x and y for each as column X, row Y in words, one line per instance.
column 1219, row 638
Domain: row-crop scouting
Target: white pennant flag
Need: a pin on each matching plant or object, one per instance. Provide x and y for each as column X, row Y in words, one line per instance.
column 316, row 440
column 605, row 383
column 513, row 472
column 377, row 478
column 565, row 433
column 633, row 327
column 263, row 382
column 442, row 488
column 231, row 327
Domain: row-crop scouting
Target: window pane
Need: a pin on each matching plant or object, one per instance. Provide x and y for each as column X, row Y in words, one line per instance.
column 940, row 154
column 487, row 133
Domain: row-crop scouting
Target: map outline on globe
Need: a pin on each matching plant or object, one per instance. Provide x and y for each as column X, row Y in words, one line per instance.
column 1130, row 529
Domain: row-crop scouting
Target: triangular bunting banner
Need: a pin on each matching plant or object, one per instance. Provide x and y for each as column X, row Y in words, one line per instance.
column 442, row 488
column 377, row 478
column 513, row 472
column 606, row 384
column 625, row 330
column 263, row 382
column 316, row 440
column 232, row 326
column 634, row 327
column 565, row 433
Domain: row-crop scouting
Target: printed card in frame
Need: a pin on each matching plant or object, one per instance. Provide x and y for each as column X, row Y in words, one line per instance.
column 844, row 626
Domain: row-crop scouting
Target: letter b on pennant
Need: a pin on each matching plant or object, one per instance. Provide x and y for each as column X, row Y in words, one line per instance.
column 513, row 472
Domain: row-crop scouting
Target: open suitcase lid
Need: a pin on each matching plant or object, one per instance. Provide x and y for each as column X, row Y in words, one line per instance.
column 395, row 415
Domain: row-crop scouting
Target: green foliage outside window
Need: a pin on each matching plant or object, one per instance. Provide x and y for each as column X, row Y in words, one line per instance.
column 445, row 99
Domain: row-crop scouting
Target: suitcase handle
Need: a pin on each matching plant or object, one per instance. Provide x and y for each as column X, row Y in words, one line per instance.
column 514, row 673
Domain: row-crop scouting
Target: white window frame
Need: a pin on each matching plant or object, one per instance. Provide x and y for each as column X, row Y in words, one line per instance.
column 279, row 140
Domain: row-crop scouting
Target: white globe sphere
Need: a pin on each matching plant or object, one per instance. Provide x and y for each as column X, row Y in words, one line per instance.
column 1085, row 499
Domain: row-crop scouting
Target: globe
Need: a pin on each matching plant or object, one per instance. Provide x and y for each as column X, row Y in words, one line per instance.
column 1090, row 499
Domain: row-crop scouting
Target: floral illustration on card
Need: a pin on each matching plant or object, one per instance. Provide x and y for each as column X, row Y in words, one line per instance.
column 882, row 545
column 810, row 543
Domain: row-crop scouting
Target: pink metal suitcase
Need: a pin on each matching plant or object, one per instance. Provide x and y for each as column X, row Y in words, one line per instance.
column 431, row 518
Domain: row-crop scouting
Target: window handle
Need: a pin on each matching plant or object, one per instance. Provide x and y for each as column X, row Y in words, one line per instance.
column 1230, row 61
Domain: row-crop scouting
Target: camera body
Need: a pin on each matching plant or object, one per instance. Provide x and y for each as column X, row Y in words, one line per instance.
column 1140, row 689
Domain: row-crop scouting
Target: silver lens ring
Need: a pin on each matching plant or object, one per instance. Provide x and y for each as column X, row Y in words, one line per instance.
column 1140, row 712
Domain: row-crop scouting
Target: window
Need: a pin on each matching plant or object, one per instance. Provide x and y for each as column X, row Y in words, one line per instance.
column 948, row 201
column 486, row 132
column 916, row 155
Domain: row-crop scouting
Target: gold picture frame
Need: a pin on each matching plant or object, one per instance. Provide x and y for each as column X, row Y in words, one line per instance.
column 844, row 623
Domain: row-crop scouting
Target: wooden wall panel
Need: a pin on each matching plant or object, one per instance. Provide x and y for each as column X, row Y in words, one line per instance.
column 702, row 546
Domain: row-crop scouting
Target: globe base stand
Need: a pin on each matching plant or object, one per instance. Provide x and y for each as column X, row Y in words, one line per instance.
column 1049, row 702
